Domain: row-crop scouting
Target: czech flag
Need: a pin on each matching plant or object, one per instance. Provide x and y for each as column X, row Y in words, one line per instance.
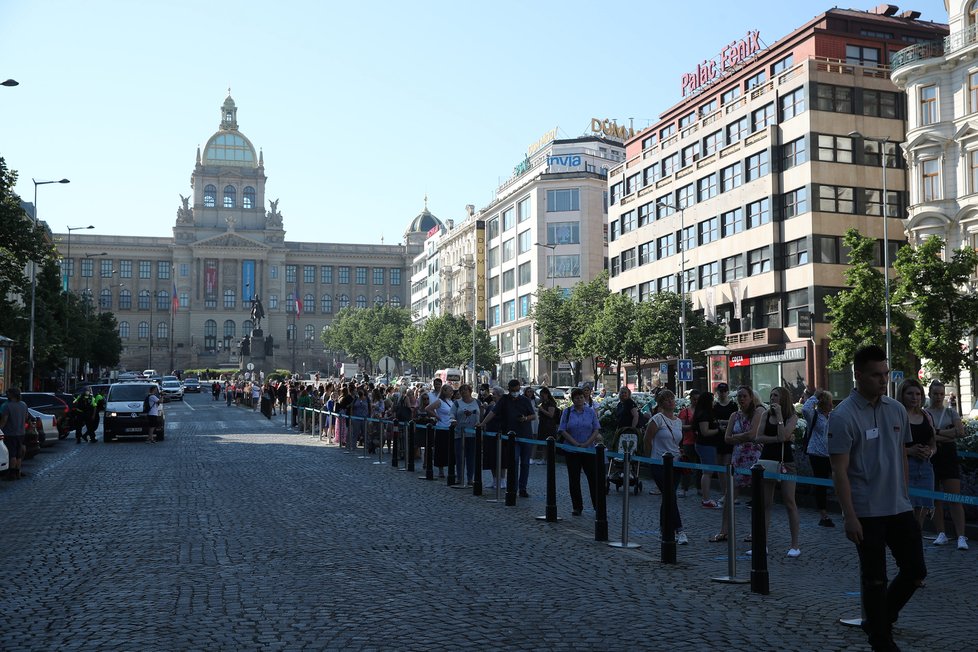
column 174, row 301
column 298, row 303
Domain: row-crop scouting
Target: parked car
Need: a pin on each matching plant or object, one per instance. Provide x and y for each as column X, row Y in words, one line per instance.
column 172, row 390
column 54, row 405
column 191, row 385
column 124, row 416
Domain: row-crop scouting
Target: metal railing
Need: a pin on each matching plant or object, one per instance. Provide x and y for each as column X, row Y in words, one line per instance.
column 931, row 49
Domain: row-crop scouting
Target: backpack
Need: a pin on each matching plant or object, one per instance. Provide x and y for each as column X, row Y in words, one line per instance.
column 403, row 410
column 146, row 404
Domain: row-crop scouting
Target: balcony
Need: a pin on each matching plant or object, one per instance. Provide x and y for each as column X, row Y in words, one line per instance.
column 931, row 49
column 754, row 338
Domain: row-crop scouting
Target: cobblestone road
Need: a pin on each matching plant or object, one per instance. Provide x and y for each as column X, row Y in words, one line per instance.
column 236, row 534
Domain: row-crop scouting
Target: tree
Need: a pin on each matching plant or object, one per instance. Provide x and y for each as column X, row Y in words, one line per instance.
column 586, row 301
column 858, row 314
column 662, row 330
column 367, row 334
column 607, row 333
column 551, row 315
column 446, row 341
column 945, row 316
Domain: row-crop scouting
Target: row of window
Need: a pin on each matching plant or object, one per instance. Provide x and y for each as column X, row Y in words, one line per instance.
column 230, row 197
column 510, row 310
column 229, row 301
column 376, row 275
column 558, row 200
column 520, row 339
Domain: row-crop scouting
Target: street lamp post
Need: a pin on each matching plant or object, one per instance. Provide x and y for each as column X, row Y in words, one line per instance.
column 550, row 277
column 886, row 252
column 682, row 281
column 30, row 357
column 67, row 269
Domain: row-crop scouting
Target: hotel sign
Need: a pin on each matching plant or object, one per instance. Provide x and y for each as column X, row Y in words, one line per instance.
column 480, row 272
column 712, row 69
column 610, row 129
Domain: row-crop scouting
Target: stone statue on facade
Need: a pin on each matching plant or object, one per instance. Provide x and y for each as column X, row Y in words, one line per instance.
column 273, row 218
column 185, row 214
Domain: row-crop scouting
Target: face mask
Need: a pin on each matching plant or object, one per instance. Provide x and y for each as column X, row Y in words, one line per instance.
column 516, row 393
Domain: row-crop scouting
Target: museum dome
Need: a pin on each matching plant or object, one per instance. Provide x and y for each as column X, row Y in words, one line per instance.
column 424, row 221
column 228, row 147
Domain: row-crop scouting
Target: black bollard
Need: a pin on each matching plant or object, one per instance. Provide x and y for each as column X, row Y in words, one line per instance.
column 451, row 455
column 551, row 514
column 758, row 533
column 409, row 453
column 668, row 504
column 511, row 470
column 429, row 458
column 600, row 499
column 396, row 445
column 477, row 476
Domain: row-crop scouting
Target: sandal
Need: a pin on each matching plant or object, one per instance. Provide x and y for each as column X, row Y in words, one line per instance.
column 717, row 538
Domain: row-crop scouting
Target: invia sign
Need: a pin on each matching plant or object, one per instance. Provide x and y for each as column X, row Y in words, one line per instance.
column 568, row 161
column 730, row 56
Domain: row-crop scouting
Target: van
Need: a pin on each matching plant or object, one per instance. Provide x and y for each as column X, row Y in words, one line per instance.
column 124, row 416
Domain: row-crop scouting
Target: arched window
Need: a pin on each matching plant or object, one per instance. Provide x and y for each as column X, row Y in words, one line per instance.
column 142, row 331
column 309, row 332
column 973, row 14
column 144, row 299
column 344, row 301
column 378, row 300
column 290, row 304
column 229, row 196
column 210, row 196
column 125, row 300
column 396, row 302
column 248, row 197
column 105, row 299
column 228, row 299
column 210, row 335
column 162, row 300
column 290, row 332
column 247, row 326
column 162, row 330
column 124, row 330
column 326, row 304
column 229, row 327
column 309, row 304
column 361, row 301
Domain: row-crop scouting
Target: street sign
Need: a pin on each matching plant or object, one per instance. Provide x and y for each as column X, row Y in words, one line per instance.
column 896, row 377
column 387, row 363
column 805, row 325
column 251, row 366
column 684, row 371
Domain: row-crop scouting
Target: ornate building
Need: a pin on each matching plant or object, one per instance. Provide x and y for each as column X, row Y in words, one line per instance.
column 186, row 301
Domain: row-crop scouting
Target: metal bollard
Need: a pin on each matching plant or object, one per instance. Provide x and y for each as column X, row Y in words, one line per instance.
column 429, row 459
column 396, row 446
column 668, row 533
column 628, row 445
column 380, row 443
column 731, row 576
column 451, row 456
column 409, row 453
column 511, row 470
column 351, row 443
column 477, row 475
column 318, row 424
column 600, row 499
column 758, row 562
column 551, row 514
column 499, row 467
column 366, row 438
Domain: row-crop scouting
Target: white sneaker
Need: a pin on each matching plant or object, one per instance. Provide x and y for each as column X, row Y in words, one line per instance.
column 794, row 552
column 962, row 543
column 682, row 539
column 941, row 540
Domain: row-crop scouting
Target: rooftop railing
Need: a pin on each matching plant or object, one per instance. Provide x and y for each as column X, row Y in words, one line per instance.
column 931, row 49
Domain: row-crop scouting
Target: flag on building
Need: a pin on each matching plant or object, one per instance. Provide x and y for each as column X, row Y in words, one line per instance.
column 298, row 302
column 174, row 301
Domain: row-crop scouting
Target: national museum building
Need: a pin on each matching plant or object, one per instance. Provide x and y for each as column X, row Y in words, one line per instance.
column 186, row 301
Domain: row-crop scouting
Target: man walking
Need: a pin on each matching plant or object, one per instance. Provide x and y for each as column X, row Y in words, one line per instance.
column 867, row 433
column 13, row 417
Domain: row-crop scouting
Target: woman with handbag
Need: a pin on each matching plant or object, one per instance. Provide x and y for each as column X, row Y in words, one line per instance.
column 664, row 434
column 777, row 456
column 740, row 433
column 920, row 451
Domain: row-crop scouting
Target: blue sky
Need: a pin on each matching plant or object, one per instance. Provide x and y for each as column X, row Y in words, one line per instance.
column 361, row 108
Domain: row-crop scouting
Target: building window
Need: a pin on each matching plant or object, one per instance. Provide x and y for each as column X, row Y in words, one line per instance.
column 690, row 154
column 395, row 276
column 796, row 253
column 733, row 222
column 930, row 178
column 563, row 200
column 796, row 302
column 709, row 274
column 162, row 330
column 758, row 213
column 361, row 301
column 756, row 80
column 87, row 267
column 395, row 301
column 125, row 269
column 564, row 266
column 105, row 268
column 829, row 249
column 686, row 196
column 668, row 283
column 290, row 273
column 731, row 177
column 688, row 239
column 124, row 330
column 794, row 153
column 615, row 266
column 646, row 214
column 524, row 307
column 782, row 64
column 308, row 274
column 230, row 327
column 309, row 304
column 344, row 275
column 361, row 276
column 687, row 120
column 712, row 142
column 709, row 107
column 559, row 233
column 125, row 300
column 646, row 290
column 229, row 196
column 142, row 330
column 793, row 103
column 627, row 259
column 248, row 197
column 378, row 276
column 509, row 280
column 210, row 196
column 834, row 148
column 881, row 104
column 758, row 165
column 290, row 332
column 492, row 228
column 871, row 154
column 795, row 202
column 509, row 311
column 105, row 299
column 628, row 223
column 667, row 131
column 326, row 274
column 928, row 105
column 163, row 270
column 862, row 56
column 730, row 96
column 707, row 187
column 764, row 116
column 733, row 268
column 871, row 202
column 524, row 243
column 670, row 164
column 493, row 287
column 666, row 246
column 709, row 230
column 228, row 299
column 664, row 207
column 162, row 300
column 689, row 280
column 509, row 218
column 343, row 301
column 509, row 250
column 145, row 269
column 759, row 261
column 273, row 302
column 273, row 272
column 837, row 99
column 737, row 130
column 650, row 141
column 525, row 273
column 973, row 91
column 646, row 253
column 835, row 199
column 631, row 183
column 326, row 304
column 492, row 257
column 651, row 174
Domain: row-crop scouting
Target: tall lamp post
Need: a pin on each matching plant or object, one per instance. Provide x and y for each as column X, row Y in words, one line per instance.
column 30, row 357
column 886, row 250
column 68, row 271
column 682, row 281
column 550, row 277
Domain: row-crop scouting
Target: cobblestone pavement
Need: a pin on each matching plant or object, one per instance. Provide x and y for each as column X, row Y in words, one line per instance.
column 238, row 534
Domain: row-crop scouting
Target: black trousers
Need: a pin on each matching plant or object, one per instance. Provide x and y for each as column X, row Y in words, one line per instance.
column 882, row 603
column 577, row 462
column 821, row 468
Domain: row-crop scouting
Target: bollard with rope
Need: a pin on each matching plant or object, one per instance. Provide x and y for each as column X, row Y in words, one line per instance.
column 758, row 564
column 511, row 469
column 668, row 533
column 627, row 443
column 396, row 445
column 731, row 576
column 600, row 499
column 409, row 453
column 477, row 475
column 499, row 468
column 551, row 514
column 366, row 438
column 429, row 458
column 380, row 443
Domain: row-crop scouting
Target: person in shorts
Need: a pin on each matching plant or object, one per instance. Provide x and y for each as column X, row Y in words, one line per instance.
column 152, row 414
column 13, row 417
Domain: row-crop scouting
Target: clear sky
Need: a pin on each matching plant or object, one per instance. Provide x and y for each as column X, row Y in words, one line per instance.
column 361, row 108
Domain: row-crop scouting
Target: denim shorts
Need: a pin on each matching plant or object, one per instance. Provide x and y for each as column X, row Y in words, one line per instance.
column 921, row 477
column 708, row 454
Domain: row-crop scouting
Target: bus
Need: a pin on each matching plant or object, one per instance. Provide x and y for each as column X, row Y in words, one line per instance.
column 451, row 377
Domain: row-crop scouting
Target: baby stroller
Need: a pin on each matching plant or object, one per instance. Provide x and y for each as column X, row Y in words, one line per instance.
column 626, row 438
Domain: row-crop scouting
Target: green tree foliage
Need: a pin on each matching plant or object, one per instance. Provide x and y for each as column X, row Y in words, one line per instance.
column 446, row 341
column 368, row 334
column 858, row 314
column 551, row 315
column 606, row 335
column 945, row 316
column 586, row 301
